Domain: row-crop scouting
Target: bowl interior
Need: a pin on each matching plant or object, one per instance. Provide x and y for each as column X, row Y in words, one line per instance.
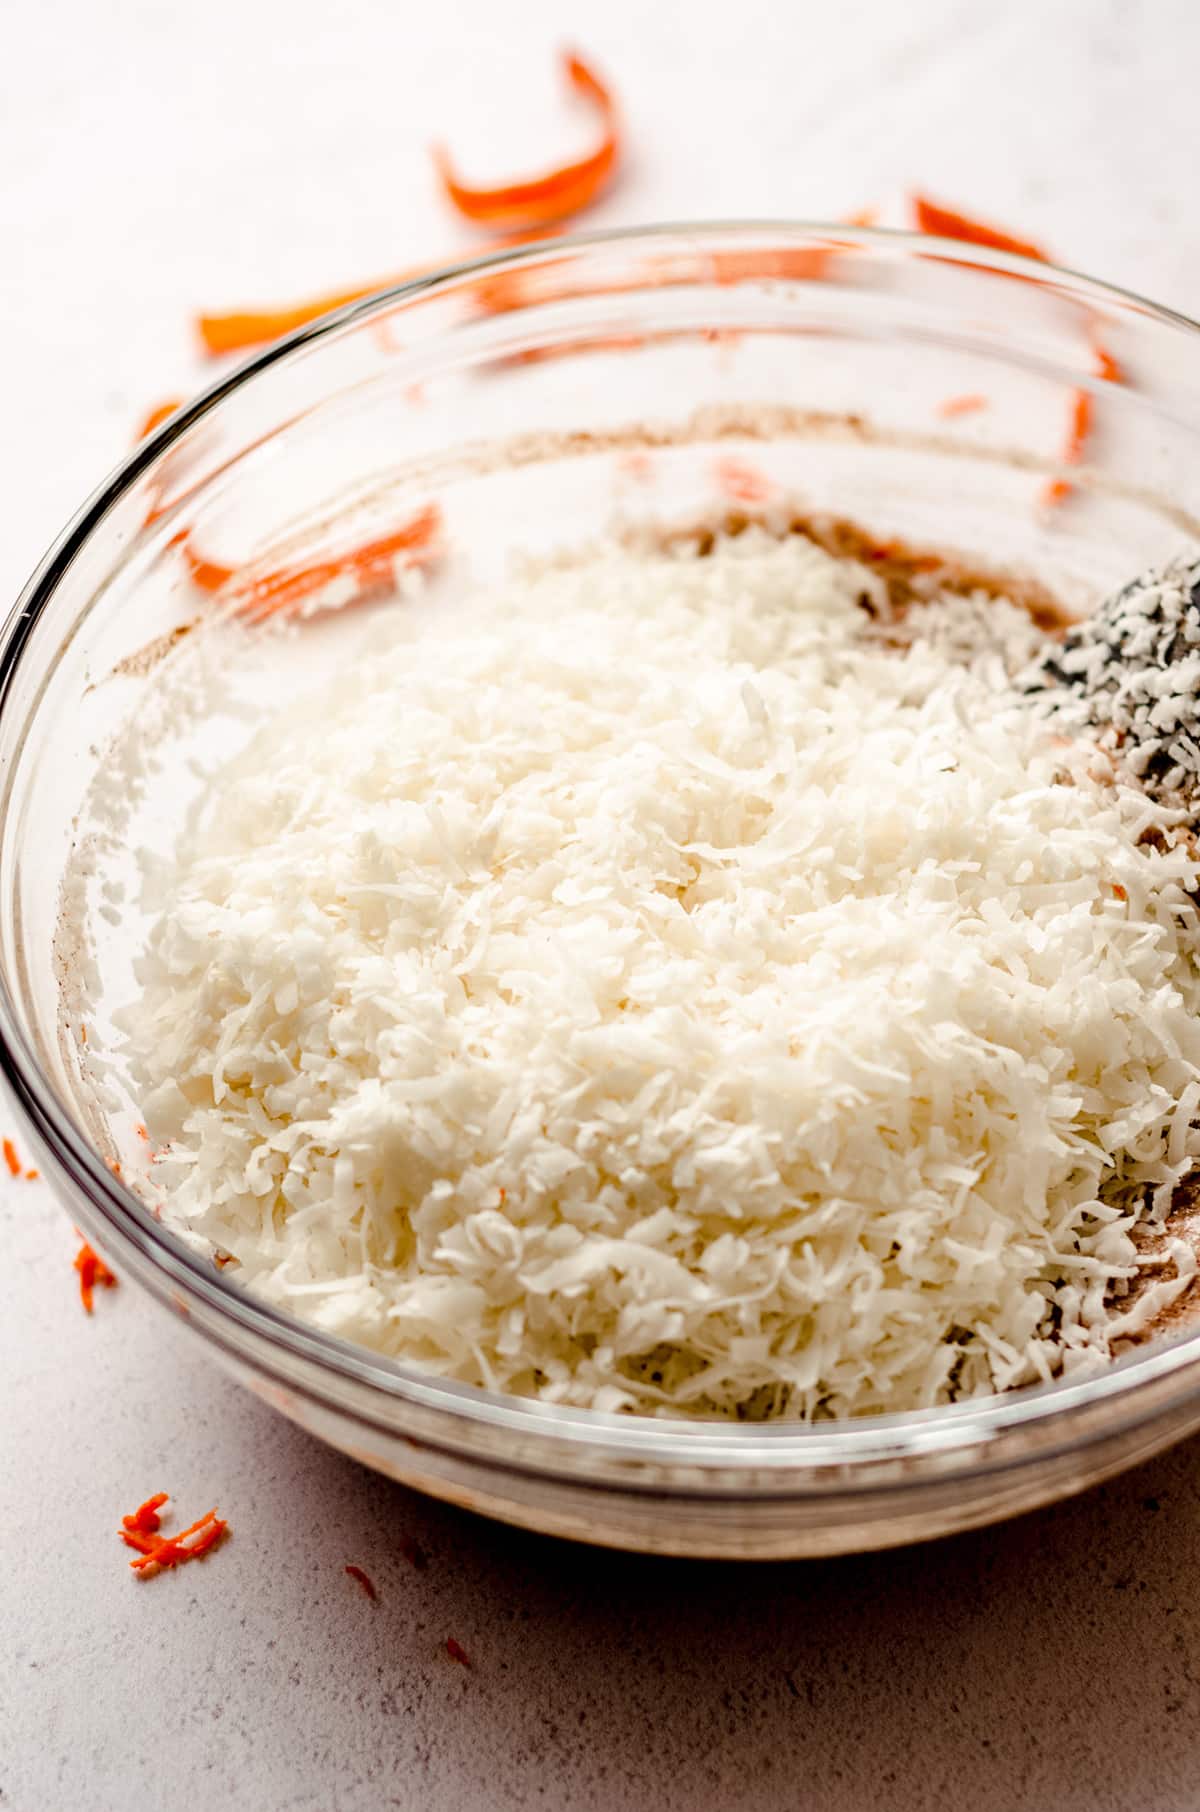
column 643, row 385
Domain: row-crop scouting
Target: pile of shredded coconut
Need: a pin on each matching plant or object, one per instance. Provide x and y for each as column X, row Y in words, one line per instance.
column 671, row 991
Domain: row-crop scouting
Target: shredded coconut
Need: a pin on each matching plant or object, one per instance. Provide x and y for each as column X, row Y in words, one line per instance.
column 670, row 991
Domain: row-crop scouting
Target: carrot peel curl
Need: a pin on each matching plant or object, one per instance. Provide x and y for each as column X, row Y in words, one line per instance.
column 542, row 200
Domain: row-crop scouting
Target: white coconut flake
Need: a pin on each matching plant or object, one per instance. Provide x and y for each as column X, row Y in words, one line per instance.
column 660, row 993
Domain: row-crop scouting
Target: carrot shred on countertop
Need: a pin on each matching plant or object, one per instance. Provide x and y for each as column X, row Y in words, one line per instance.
column 12, row 1158
column 952, row 406
column 92, row 1272
column 457, row 1652
column 145, row 1519
column 365, row 1581
column 947, row 223
column 563, row 191
column 156, row 1552
column 371, row 566
column 241, row 328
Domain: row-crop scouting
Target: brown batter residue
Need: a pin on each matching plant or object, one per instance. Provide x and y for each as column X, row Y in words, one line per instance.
column 912, row 575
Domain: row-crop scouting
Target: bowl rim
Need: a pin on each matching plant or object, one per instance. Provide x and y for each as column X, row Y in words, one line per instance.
column 946, row 1430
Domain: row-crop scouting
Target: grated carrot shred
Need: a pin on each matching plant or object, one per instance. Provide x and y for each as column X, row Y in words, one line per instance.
column 243, row 328
column 93, row 1272
column 11, row 1158
column 563, row 191
column 371, row 566
column 947, row 223
column 952, row 406
column 240, row 329
column 156, row 1552
column 1106, row 366
column 457, row 1652
column 741, row 481
column 145, row 1519
column 1079, row 427
column 158, row 415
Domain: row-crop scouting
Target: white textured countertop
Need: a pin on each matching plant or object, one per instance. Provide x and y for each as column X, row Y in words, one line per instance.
column 154, row 159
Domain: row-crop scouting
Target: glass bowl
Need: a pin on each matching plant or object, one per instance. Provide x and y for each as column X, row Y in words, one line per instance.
column 638, row 383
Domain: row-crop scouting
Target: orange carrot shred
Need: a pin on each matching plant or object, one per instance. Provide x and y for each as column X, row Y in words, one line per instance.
column 92, row 1272
column 140, row 1532
column 743, row 482
column 175, row 1549
column 141, row 1541
column 1106, row 366
column 145, row 1519
column 1081, row 423
column 560, row 192
column 365, row 1581
column 1119, row 892
column 1079, row 427
column 371, row 566
column 952, row 406
column 457, row 1652
column 11, row 1158
column 946, row 223
column 242, row 328
column 158, row 415
column 798, row 263
column 31, row 1176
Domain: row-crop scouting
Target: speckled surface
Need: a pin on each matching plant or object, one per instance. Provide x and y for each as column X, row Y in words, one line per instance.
column 1050, row 1663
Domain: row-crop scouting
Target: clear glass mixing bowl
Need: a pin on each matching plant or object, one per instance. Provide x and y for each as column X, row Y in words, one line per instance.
column 539, row 400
